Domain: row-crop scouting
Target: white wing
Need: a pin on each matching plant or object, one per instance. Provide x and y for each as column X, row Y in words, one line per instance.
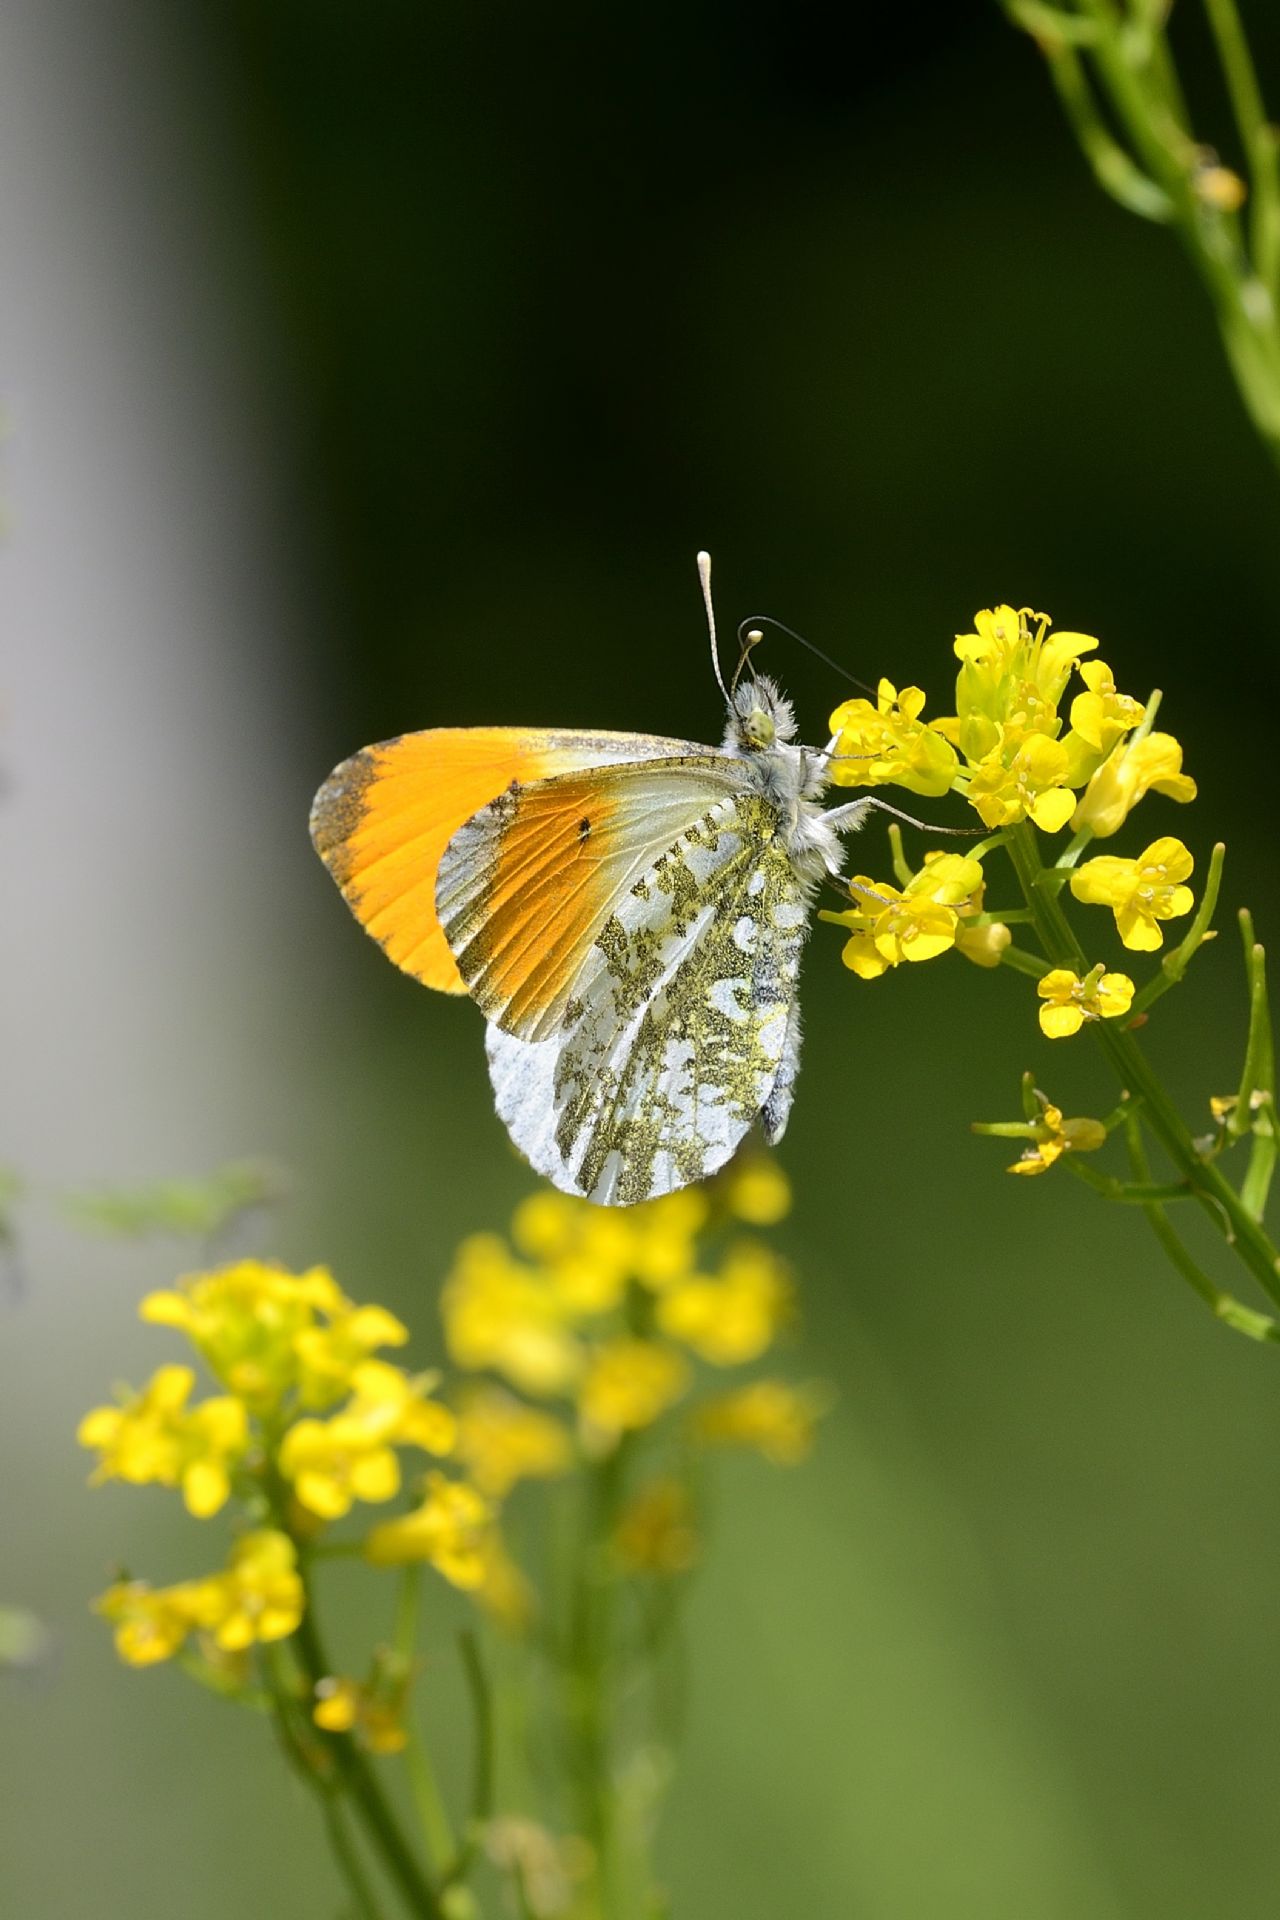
column 678, row 1023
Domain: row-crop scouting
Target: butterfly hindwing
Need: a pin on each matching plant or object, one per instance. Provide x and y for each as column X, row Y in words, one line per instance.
column 382, row 820
column 680, row 1023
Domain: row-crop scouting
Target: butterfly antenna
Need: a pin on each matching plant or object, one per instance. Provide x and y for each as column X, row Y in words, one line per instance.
column 758, row 620
column 746, row 646
column 704, row 574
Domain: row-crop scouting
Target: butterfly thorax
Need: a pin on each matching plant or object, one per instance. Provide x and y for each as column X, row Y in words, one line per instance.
column 760, row 732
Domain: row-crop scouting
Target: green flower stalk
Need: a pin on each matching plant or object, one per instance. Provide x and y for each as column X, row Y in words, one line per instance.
column 1113, row 69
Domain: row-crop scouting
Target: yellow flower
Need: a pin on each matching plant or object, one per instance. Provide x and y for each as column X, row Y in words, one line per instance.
column 154, row 1437
column 449, row 1530
column 983, row 945
column 1013, row 674
column 1052, row 1136
column 501, row 1314
column 337, row 1705
column 756, row 1190
column 1140, row 892
column 1102, row 715
column 1153, row 763
column 328, row 1356
column 665, row 1233
column 732, row 1318
column 585, row 1250
column 657, row 1531
column 151, row 1623
column 628, row 1383
column 778, row 1420
column 260, row 1595
column 375, row 1714
column 1070, row 1000
column 1032, row 785
column 245, row 1319
column 351, row 1456
column 888, row 742
column 887, row 927
column 502, row 1441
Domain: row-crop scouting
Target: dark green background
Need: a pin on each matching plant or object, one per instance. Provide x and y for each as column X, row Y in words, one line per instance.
column 546, row 298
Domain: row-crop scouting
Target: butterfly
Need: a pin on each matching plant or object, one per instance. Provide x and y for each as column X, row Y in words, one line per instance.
column 627, row 911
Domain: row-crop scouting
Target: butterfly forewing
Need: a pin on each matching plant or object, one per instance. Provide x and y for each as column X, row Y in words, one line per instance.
column 678, row 1022
column 382, row 820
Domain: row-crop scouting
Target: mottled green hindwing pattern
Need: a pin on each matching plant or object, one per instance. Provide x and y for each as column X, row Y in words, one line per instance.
column 674, row 1034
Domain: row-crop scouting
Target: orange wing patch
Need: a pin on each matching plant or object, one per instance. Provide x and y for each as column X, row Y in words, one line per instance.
column 383, row 819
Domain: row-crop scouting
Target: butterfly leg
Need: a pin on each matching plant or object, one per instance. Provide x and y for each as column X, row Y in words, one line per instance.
column 849, row 818
column 776, row 1110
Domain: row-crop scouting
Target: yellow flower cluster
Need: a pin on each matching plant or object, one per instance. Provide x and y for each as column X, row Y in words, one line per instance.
column 605, row 1311
column 600, row 1307
column 257, row 1596
column 940, row 907
column 153, row 1436
column 1020, row 747
column 288, row 1347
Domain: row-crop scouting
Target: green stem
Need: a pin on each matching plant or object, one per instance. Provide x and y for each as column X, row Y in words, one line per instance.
column 356, row 1777
column 433, row 1816
column 1215, row 1193
column 484, row 1763
column 286, row 1713
column 348, row 1858
column 1257, row 135
column 1224, row 1306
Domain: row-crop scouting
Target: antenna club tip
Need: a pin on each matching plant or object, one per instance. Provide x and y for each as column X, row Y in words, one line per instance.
column 704, row 561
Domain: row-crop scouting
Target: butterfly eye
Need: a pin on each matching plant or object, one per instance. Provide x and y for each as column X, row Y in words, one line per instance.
column 759, row 727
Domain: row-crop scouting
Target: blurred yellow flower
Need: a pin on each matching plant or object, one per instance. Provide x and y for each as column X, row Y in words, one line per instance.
column 1070, row 1000
column 375, row 1716
column 888, row 742
column 501, row 1314
column 657, row 1530
column 778, row 1420
column 1150, row 764
column 329, row 1355
column 151, row 1623
column 756, row 1190
column 154, row 1437
column 351, row 1456
column 244, row 1320
column 732, row 1317
column 585, row 1250
column 259, row 1596
column 665, row 1234
column 1141, row 892
column 502, row 1441
column 449, row 1530
column 629, row 1383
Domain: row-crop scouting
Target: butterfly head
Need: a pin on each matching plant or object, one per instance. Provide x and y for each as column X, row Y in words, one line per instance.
column 760, row 716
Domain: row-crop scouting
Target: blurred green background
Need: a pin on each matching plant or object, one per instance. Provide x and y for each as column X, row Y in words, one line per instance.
column 381, row 367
